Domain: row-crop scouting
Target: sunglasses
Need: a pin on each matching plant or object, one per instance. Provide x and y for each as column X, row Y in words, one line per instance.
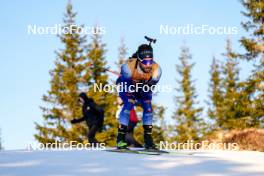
column 147, row 62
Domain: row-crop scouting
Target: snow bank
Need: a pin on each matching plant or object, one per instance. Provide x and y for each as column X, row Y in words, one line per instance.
column 85, row 163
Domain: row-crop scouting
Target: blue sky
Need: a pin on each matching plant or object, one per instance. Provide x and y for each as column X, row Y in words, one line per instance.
column 26, row 59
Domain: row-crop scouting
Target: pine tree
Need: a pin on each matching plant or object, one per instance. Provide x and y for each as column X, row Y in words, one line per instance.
column 71, row 70
column 122, row 53
column 187, row 114
column 230, row 110
column 216, row 94
column 253, row 88
column 96, row 52
column 254, row 44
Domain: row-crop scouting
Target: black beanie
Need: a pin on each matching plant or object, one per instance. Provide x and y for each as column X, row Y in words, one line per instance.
column 144, row 51
column 84, row 97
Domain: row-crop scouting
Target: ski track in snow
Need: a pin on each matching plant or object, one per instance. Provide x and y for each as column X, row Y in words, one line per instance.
column 85, row 163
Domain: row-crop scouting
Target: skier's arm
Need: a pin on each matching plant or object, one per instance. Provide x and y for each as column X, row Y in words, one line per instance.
column 155, row 76
column 73, row 121
column 126, row 74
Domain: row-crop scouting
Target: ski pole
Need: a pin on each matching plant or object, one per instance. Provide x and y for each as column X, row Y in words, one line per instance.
column 114, row 72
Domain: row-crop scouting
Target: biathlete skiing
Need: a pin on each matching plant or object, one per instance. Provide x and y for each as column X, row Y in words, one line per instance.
column 139, row 70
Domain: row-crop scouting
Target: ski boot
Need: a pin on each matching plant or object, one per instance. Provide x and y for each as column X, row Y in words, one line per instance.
column 121, row 142
column 149, row 144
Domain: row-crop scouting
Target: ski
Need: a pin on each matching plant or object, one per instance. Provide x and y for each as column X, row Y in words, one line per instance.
column 153, row 150
column 168, row 152
column 181, row 153
column 146, row 152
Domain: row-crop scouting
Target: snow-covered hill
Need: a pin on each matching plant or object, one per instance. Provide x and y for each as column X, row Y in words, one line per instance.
column 85, row 163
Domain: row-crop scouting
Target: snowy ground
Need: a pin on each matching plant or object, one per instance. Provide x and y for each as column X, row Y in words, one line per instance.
column 85, row 163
